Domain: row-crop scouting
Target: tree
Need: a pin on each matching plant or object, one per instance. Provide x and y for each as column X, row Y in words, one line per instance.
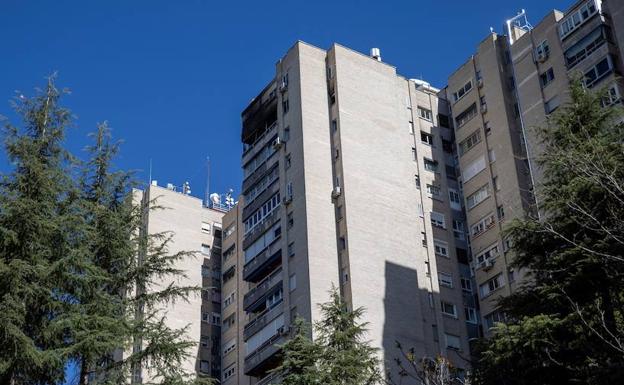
column 426, row 370
column 567, row 323
column 346, row 358
column 300, row 356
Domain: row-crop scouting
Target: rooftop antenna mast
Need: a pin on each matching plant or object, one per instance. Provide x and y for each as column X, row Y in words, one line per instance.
column 520, row 21
column 207, row 193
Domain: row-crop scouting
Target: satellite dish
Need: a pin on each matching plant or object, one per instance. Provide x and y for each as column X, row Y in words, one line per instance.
column 215, row 198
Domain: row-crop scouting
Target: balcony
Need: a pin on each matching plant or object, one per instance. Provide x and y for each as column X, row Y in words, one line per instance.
column 263, row 263
column 262, row 320
column 262, row 109
column 273, row 378
column 256, row 296
column 261, row 227
column 265, row 357
column 258, row 142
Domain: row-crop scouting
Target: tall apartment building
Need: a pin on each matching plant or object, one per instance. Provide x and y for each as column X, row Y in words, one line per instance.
column 586, row 41
column 349, row 180
column 498, row 99
column 194, row 227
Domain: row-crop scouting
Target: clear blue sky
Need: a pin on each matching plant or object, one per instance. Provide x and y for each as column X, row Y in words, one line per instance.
column 171, row 77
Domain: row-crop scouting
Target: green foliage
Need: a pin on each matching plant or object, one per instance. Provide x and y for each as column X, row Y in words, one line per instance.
column 78, row 272
column 338, row 356
column 566, row 323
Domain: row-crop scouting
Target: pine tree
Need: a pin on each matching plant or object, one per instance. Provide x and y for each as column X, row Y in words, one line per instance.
column 567, row 324
column 36, row 208
column 346, row 357
column 300, row 356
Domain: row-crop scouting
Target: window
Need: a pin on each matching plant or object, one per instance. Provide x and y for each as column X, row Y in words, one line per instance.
column 229, row 372
column 586, row 46
column 473, row 168
column 292, row 282
column 286, row 134
column 205, row 227
column 466, row 115
column 462, row 91
column 437, row 220
column 501, row 212
column 334, row 125
column 229, row 322
column 494, row 317
column 433, row 191
column 411, row 128
column 424, row 239
column 491, row 285
column 339, row 214
column 599, row 71
column 229, row 346
column 551, row 105
column 289, row 191
column 204, row 366
column 542, row 50
column 440, row 248
column 205, row 317
column 447, row 146
column 342, row 242
column 511, row 276
column 454, row 199
column 482, row 226
column 547, row 77
column 431, row 165
column 458, row 229
column 205, row 271
column 471, row 315
column 424, row 113
column 487, row 128
column 291, row 249
column 205, row 249
column 215, row 319
column 572, row 22
column 483, row 103
column 478, row 196
column 495, row 183
column 469, row 142
column 285, row 106
column 466, row 285
column 426, row 138
column 414, row 157
column 290, row 221
column 204, row 341
column 259, row 187
column 611, row 97
column 262, row 212
column 449, row 309
column 229, row 299
column 344, row 275
column 445, row 279
column 263, row 242
column 443, row 121
column 229, row 252
column 417, row 181
column 490, row 253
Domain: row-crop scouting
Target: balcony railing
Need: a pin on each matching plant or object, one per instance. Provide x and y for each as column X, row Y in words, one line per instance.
column 257, row 360
column 247, row 148
column 252, row 271
column 273, row 378
column 261, row 227
column 260, row 291
column 262, row 320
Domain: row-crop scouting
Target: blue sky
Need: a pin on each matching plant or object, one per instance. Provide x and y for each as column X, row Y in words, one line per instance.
column 171, row 77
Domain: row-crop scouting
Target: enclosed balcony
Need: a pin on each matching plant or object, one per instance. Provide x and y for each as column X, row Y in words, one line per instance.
column 261, row 110
column 263, row 263
column 262, row 319
column 256, row 297
column 264, row 347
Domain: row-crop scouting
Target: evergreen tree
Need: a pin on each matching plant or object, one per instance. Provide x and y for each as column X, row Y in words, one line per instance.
column 346, row 357
column 566, row 325
column 36, row 204
column 300, row 356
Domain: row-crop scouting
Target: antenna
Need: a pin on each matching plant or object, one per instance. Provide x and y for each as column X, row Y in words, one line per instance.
column 150, row 170
column 520, row 21
column 207, row 192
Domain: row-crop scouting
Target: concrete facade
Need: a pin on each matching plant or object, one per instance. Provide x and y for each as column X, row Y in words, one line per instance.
column 194, row 228
column 358, row 159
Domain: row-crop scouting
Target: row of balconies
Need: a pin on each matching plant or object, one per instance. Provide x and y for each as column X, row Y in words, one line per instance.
column 265, row 357
column 263, row 263
column 261, row 227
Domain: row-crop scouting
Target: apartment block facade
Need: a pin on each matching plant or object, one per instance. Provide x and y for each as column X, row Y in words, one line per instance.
column 350, row 181
column 195, row 228
column 499, row 99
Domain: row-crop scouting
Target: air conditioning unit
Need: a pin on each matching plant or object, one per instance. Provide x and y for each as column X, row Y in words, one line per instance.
column 287, row 199
column 480, row 82
column 277, row 143
column 336, row 192
column 283, row 86
column 488, row 264
column 483, row 108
